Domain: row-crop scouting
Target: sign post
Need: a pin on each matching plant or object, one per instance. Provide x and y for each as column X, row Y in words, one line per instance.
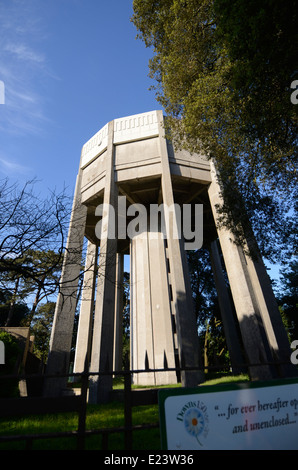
column 245, row 416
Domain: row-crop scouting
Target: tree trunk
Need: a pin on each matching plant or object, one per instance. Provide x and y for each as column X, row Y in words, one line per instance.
column 206, row 363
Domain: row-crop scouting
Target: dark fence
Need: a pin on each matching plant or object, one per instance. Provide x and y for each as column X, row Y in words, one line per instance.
column 12, row 407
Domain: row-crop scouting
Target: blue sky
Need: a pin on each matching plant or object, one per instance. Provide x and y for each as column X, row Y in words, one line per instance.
column 69, row 67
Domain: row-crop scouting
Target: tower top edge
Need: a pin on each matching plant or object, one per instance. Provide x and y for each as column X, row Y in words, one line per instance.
column 133, row 127
column 121, row 119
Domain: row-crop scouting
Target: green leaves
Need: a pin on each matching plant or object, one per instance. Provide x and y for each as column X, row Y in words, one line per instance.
column 223, row 73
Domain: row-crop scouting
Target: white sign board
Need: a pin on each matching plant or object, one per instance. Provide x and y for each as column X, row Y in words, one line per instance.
column 235, row 417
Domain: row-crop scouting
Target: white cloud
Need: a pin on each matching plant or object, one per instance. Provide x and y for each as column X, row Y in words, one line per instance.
column 23, row 67
column 27, row 96
column 8, row 167
column 24, row 53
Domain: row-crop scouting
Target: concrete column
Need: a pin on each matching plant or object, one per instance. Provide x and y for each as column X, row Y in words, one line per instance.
column 187, row 334
column 118, row 338
column 251, row 327
column 61, row 336
column 151, row 325
column 83, row 343
column 226, row 310
column 141, row 314
column 133, row 308
column 164, row 353
column 103, row 328
column 271, row 318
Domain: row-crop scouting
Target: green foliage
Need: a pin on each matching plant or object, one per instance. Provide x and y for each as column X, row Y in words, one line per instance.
column 288, row 299
column 202, row 285
column 126, row 320
column 41, row 328
column 210, row 327
column 20, row 309
column 9, row 387
column 223, row 74
column 213, row 340
column 45, row 268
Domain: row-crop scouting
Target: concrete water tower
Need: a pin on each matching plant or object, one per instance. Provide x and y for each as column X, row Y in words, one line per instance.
column 129, row 166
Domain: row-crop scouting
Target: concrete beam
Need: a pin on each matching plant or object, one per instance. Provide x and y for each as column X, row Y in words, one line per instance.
column 250, row 322
column 187, row 333
column 61, row 335
column 83, row 343
column 103, row 327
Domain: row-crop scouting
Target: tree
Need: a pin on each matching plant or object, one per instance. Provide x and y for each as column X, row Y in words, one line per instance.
column 32, row 238
column 49, row 264
column 29, row 223
column 206, row 306
column 41, row 328
column 288, row 298
column 223, row 73
column 20, row 309
column 202, row 286
column 126, row 319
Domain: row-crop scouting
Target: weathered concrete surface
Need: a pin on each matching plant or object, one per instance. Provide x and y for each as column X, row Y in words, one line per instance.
column 131, row 157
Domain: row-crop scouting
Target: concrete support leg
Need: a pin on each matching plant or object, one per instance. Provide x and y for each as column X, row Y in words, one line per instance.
column 250, row 322
column 141, row 312
column 83, row 343
column 133, row 309
column 161, row 311
column 271, row 318
column 226, row 310
column 103, row 327
column 187, row 333
column 151, row 324
column 61, row 337
column 118, row 334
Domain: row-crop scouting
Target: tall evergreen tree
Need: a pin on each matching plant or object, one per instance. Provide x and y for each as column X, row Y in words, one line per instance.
column 223, row 72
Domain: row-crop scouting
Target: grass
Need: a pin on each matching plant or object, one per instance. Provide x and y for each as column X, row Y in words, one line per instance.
column 217, row 379
column 213, row 378
column 98, row 417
